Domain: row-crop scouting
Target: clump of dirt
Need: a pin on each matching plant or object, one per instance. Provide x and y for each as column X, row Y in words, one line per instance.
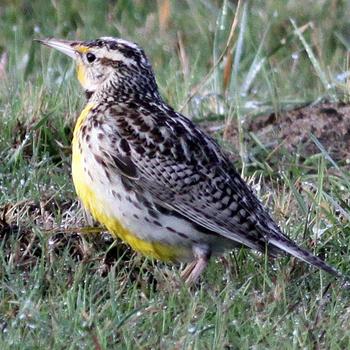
column 291, row 130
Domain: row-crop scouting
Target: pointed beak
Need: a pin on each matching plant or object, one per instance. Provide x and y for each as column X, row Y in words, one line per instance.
column 69, row 48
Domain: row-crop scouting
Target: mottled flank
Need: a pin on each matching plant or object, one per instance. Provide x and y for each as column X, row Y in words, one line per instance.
column 156, row 180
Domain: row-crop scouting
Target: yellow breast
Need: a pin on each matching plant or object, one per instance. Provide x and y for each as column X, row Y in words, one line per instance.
column 100, row 209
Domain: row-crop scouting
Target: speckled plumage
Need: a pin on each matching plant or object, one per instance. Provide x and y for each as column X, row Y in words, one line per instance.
column 154, row 178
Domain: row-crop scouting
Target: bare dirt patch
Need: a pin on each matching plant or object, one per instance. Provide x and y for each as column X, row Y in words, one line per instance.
column 292, row 130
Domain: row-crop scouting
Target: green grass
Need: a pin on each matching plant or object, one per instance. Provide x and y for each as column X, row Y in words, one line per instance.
column 60, row 290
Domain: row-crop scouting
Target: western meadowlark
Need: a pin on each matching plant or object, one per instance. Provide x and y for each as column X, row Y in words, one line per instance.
column 152, row 177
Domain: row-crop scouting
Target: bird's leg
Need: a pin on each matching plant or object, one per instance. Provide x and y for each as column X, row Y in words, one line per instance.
column 199, row 266
column 188, row 269
column 196, row 267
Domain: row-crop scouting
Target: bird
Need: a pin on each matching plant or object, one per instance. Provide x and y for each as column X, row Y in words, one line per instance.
column 151, row 176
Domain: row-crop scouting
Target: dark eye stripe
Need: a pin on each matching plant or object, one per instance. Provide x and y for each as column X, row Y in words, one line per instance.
column 113, row 63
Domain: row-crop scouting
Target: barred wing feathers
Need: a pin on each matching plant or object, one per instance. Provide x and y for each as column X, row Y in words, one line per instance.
column 185, row 171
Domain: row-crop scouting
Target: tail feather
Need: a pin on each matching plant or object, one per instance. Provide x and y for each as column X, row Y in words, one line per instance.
column 293, row 249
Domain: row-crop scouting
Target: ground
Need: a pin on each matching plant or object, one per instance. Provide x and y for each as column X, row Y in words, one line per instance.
column 274, row 94
column 328, row 122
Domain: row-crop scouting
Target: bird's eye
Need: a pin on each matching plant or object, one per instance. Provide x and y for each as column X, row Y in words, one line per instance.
column 90, row 57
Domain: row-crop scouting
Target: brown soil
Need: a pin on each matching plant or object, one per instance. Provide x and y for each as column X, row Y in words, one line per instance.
column 292, row 130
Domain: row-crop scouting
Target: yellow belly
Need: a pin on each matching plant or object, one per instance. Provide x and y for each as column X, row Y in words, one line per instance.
column 98, row 207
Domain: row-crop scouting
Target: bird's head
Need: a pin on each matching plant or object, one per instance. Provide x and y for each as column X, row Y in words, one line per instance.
column 109, row 65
